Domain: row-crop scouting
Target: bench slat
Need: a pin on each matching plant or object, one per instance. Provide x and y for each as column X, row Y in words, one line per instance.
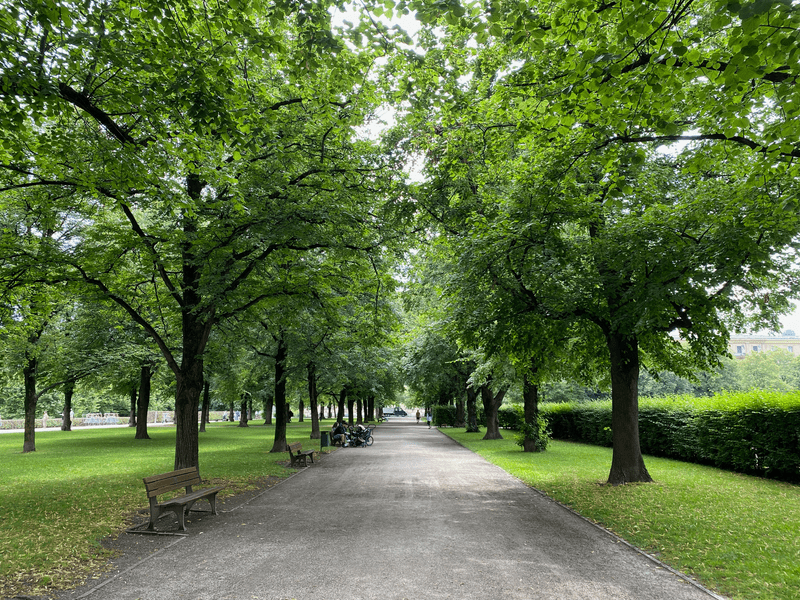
column 163, row 485
column 170, row 474
column 192, row 497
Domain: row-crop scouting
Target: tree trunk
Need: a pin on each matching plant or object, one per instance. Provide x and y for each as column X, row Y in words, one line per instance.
column 301, row 408
column 205, row 411
column 371, row 408
column 145, row 375
column 472, row 410
column 460, row 417
column 66, row 418
column 627, row 463
column 187, row 395
column 340, row 405
column 269, row 402
column 132, row 417
column 530, row 398
column 311, row 369
column 243, row 412
column 350, row 402
column 280, row 396
column 31, row 399
column 359, row 411
column 491, row 404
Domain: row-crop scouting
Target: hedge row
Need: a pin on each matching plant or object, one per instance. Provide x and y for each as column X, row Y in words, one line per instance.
column 756, row 433
column 508, row 416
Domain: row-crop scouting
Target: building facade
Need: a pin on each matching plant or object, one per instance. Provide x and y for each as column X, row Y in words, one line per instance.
column 743, row 345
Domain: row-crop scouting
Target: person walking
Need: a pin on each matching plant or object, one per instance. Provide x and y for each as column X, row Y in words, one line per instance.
column 417, row 416
column 430, row 418
column 44, row 419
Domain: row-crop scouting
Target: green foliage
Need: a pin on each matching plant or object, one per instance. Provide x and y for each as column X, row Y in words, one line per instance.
column 756, row 432
column 445, row 416
column 538, row 432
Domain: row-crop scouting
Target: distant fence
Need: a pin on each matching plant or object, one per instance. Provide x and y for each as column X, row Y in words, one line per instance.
column 98, row 419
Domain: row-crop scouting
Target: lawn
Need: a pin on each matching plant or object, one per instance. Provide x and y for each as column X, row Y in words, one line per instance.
column 736, row 534
column 57, row 503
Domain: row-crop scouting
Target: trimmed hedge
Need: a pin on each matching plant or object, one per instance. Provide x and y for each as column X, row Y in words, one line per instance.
column 445, row 416
column 756, row 433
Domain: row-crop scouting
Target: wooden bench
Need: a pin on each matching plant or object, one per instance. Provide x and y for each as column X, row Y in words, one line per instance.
column 170, row 482
column 296, row 453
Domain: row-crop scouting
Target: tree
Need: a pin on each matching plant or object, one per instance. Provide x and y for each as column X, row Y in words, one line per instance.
column 557, row 131
column 192, row 184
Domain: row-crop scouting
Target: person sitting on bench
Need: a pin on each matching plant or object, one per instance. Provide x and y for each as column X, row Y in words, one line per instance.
column 339, row 434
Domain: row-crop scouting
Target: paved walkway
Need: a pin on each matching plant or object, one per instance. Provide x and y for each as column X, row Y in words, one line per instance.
column 414, row 516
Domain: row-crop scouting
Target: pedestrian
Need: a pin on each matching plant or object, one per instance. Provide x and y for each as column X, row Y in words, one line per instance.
column 44, row 419
column 430, row 418
column 417, row 416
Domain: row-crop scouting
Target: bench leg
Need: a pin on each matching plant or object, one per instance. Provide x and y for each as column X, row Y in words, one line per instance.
column 212, row 499
column 181, row 514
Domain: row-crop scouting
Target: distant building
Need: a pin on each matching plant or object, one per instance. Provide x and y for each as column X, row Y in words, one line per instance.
column 742, row 345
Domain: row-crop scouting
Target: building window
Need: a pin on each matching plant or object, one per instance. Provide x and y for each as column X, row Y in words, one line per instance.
column 739, row 349
column 789, row 348
column 755, row 348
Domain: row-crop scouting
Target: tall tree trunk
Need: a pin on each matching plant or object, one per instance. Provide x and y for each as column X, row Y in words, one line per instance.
column 371, row 408
column 281, row 409
column 31, row 399
column 350, row 402
column 143, row 404
column 132, row 417
column 359, row 410
column 340, row 405
column 491, row 404
column 311, row 370
column 460, row 417
column 472, row 410
column 627, row 463
column 243, row 411
column 530, row 398
column 269, row 402
column 66, row 417
column 205, row 411
column 196, row 327
column 301, row 408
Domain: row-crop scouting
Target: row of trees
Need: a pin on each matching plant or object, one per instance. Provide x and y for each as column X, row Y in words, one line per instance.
column 610, row 186
column 606, row 186
column 198, row 171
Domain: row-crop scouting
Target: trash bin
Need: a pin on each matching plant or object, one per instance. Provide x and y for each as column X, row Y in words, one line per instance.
column 323, row 439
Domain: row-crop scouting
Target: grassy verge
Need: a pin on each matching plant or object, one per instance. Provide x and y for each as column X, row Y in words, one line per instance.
column 736, row 534
column 57, row 503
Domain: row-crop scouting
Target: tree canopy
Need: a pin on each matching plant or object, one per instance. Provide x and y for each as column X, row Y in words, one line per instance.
column 604, row 186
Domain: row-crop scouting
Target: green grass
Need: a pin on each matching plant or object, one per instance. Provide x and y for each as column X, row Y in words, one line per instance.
column 57, row 503
column 736, row 534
